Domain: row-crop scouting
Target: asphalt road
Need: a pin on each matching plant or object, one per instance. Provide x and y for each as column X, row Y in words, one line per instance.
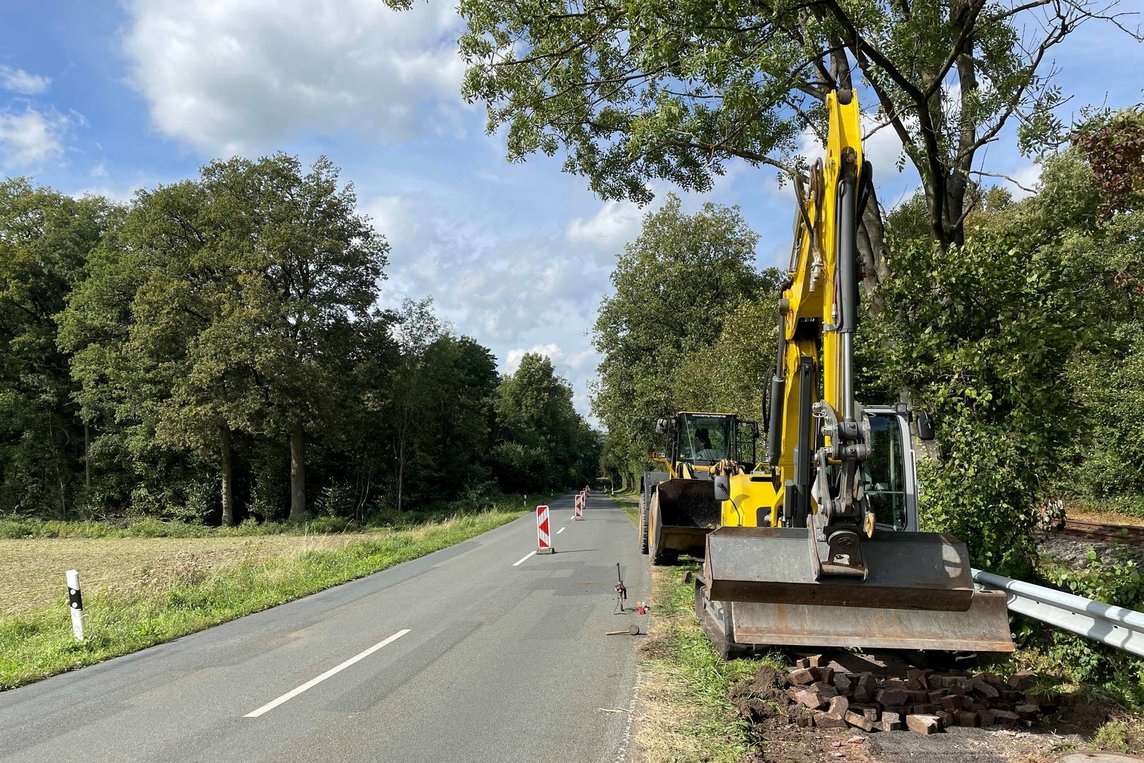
column 468, row 654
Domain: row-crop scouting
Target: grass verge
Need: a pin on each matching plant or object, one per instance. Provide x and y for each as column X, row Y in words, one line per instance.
column 191, row 595
column 685, row 689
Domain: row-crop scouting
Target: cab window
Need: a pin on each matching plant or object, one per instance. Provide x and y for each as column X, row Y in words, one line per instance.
column 883, row 473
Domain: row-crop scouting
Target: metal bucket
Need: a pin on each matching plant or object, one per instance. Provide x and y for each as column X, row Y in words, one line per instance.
column 685, row 511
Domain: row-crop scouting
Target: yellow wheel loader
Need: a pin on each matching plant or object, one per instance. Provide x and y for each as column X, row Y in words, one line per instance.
column 677, row 503
column 819, row 546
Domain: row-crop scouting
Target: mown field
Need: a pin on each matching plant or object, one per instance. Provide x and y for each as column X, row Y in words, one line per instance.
column 143, row 591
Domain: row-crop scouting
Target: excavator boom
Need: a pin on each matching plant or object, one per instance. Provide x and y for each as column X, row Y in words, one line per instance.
column 837, row 561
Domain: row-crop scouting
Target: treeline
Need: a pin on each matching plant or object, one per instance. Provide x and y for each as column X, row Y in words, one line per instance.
column 1024, row 342
column 214, row 351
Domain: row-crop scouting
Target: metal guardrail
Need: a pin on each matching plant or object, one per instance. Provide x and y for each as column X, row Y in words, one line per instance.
column 1115, row 626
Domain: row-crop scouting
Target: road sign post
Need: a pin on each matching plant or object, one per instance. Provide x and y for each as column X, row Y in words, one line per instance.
column 75, row 603
column 579, row 506
column 543, row 533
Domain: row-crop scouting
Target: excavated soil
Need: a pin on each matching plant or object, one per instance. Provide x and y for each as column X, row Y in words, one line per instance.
column 786, row 732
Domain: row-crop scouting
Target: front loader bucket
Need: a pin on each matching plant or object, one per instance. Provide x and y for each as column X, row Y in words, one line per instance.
column 687, row 511
column 774, row 565
column 984, row 627
column 760, row 588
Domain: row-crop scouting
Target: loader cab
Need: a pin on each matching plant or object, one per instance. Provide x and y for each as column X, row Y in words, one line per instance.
column 702, row 439
column 889, row 476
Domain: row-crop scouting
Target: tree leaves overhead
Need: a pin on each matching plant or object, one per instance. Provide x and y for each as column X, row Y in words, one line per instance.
column 642, row 90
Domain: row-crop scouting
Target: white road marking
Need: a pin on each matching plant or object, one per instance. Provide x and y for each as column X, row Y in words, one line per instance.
column 562, row 529
column 525, row 559
column 332, row 671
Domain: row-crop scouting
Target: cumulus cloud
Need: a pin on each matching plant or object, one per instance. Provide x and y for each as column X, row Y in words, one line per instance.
column 1024, row 181
column 20, row 81
column 235, row 75
column 579, row 359
column 31, row 137
column 615, row 224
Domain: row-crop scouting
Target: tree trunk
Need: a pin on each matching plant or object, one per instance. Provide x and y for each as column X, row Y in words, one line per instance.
column 400, row 470
column 227, row 477
column 297, row 474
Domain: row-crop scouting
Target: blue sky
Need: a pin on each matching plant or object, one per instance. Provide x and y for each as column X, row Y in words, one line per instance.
column 103, row 97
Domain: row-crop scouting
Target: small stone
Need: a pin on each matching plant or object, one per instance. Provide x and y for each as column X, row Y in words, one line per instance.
column 823, row 674
column 945, row 718
column 933, row 681
column 870, row 711
column 985, row 715
column 924, row 708
column 923, row 724
column 801, row 677
column 859, row 721
column 983, row 689
column 951, row 703
column 1005, row 718
column 843, row 682
column 892, row 697
column 891, row 722
column 934, row 697
column 856, row 739
column 825, row 690
column 1027, row 712
column 966, row 718
column 802, row 662
column 806, row 697
column 865, row 688
column 814, row 661
column 828, row 720
column 1023, row 680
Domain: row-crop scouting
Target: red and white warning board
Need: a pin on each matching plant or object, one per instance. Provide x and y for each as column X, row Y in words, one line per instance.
column 543, row 534
column 579, row 506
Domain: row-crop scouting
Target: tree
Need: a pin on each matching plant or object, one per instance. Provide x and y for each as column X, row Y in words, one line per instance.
column 45, row 239
column 310, row 268
column 674, row 289
column 229, row 304
column 414, row 330
column 646, row 90
column 543, row 442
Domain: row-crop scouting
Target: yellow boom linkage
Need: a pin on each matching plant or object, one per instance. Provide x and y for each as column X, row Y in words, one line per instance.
column 818, row 546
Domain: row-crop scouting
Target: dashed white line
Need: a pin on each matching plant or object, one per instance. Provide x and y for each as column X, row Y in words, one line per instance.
column 332, row 671
column 562, row 529
column 525, row 559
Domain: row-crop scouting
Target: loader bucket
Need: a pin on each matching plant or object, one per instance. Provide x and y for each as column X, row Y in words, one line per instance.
column 907, row 571
column 760, row 588
column 984, row 627
column 686, row 512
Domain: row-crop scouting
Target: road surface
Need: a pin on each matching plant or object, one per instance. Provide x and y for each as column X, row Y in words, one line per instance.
column 479, row 652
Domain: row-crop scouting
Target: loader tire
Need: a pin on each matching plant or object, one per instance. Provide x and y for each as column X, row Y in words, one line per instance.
column 643, row 525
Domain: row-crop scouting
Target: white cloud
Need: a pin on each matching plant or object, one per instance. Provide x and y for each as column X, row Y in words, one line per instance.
column 235, row 75
column 615, row 224
column 579, row 359
column 1024, row 181
column 31, row 137
column 20, row 81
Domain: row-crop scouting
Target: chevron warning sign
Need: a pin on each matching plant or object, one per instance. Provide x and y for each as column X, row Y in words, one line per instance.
column 543, row 535
column 579, row 506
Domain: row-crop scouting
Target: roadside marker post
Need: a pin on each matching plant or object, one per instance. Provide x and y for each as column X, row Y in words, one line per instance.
column 579, row 506
column 75, row 603
column 543, row 535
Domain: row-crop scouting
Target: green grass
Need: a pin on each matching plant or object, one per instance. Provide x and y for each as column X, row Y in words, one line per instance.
column 37, row 644
column 685, row 689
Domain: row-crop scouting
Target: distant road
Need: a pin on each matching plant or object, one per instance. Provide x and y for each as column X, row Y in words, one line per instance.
column 468, row 654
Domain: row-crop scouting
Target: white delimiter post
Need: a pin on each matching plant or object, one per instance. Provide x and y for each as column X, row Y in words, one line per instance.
column 75, row 602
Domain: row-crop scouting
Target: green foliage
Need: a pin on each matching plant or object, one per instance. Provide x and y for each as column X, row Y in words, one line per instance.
column 662, row 333
column 543, row 443
column 636, row 91
column 211, row 350
column 45, row 240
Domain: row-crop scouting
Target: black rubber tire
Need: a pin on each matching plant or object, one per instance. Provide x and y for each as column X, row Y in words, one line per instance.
column 643, row 525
